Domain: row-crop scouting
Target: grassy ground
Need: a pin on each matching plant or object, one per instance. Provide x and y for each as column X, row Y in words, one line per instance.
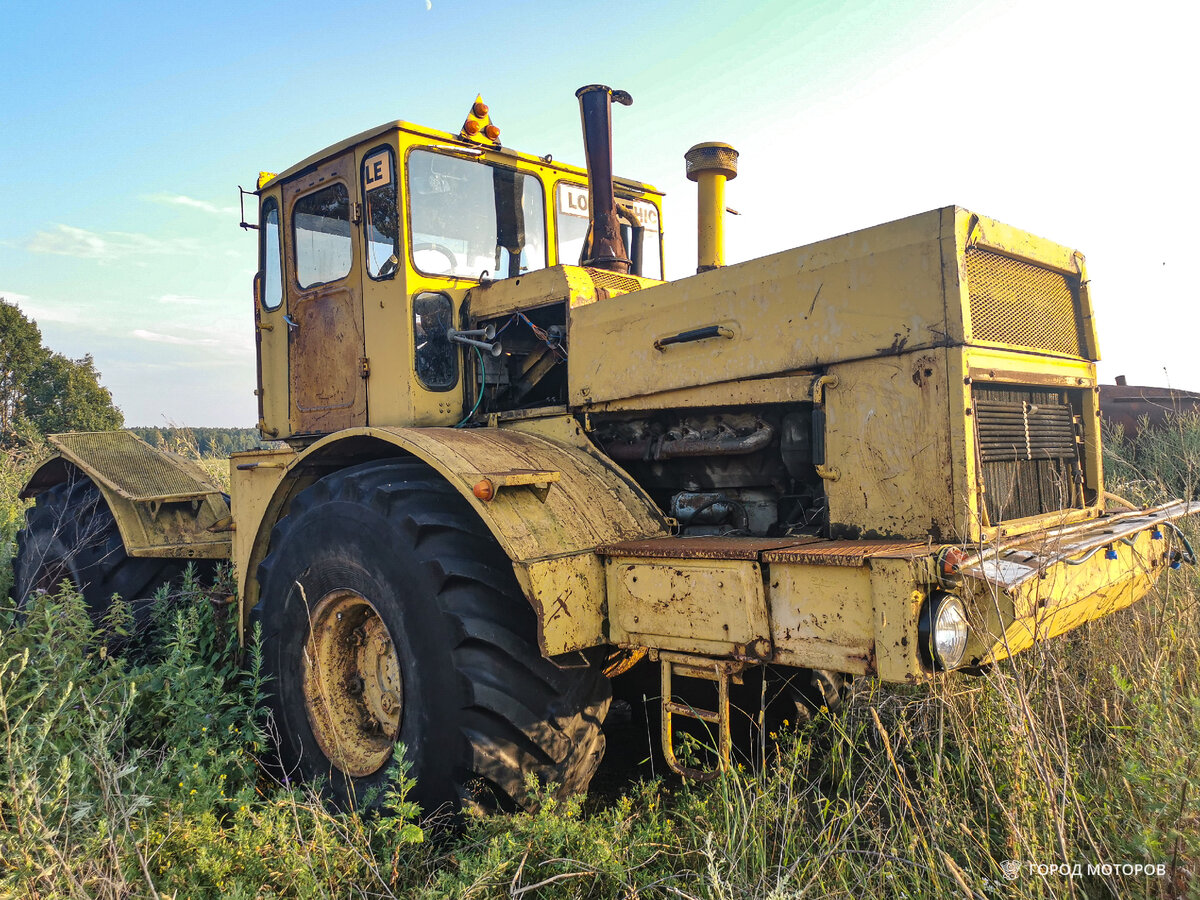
column 135, row 775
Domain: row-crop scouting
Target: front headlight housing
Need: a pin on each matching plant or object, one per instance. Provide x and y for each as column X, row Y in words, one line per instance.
column 943, row 631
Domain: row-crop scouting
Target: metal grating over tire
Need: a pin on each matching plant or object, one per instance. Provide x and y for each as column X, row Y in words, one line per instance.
column 132, row 467
column 1028, row 452
column 1017, row 303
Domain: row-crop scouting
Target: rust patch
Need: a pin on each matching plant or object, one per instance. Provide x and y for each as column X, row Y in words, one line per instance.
column 846, row 553
column 923, row 370
column 702, row 547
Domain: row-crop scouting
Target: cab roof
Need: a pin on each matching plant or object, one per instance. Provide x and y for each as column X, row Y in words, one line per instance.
column 445, row 138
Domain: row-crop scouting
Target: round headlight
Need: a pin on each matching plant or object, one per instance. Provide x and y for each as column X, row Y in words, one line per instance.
column 943, row 631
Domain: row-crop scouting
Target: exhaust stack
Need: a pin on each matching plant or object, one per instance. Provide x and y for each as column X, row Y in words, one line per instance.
column 603, row 247
column 711, row 165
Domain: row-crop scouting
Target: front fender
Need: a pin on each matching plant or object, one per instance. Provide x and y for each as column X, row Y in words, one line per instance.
column 556, row 498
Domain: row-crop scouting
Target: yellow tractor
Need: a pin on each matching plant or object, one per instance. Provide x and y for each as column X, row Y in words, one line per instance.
column 514, row 462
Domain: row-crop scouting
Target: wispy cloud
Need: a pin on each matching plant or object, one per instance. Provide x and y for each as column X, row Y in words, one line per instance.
column 183, row 300
column 108, row 246
column 40, row 312
column 159, row 338
column 191, row 203
column 233, row 336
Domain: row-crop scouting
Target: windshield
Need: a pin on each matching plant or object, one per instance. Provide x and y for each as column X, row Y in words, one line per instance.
column 470, row 217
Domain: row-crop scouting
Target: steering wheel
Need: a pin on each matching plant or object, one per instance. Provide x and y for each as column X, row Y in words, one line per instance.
column 442, row 249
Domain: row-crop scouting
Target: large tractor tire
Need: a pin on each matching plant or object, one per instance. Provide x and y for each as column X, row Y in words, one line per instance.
column 70, row 533
column 389, row 614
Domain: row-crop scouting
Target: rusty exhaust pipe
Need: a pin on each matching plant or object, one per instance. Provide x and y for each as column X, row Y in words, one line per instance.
column 603, row 247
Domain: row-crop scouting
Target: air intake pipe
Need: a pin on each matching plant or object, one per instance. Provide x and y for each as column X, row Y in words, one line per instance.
column 603, row 247
column 710, row 165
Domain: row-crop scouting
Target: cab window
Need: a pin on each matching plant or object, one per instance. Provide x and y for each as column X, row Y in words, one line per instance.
column 321, row 226
column 269, row 261
column 471, row 217
column 379, row 222
column 571, row 221
column 436, row 359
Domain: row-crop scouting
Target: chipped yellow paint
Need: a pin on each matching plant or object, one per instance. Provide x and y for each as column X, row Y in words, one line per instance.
column 689, row 605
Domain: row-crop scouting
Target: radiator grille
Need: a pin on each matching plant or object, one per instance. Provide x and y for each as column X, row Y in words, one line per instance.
column 1014, row 302
column 1028, row 452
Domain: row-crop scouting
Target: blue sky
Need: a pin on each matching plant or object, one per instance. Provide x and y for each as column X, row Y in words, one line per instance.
column 126, row 128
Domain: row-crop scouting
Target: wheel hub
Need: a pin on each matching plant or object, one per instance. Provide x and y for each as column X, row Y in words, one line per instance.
column 353, row 689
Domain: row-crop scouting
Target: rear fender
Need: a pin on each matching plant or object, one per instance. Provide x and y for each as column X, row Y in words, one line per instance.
column 163, row 504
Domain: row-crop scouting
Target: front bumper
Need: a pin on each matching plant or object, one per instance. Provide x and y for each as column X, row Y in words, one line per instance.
column 1047, row 583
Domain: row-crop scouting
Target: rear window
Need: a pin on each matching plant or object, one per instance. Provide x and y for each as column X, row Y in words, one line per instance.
column 571, row 222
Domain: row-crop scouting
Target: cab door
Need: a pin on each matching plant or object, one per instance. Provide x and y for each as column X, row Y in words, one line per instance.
column 326, row 368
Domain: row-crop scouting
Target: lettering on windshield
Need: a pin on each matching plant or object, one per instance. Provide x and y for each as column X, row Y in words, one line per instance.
column 575, row 201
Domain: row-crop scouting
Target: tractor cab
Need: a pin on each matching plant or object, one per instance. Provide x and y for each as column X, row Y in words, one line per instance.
column 369, row 250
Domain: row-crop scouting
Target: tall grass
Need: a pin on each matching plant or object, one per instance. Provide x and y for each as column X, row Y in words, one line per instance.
column 137, row 776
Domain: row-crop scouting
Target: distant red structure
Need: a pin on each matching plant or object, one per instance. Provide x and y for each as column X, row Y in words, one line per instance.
column 1130, row 404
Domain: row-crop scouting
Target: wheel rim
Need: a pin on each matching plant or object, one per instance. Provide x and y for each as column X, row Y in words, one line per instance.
column 353, row 689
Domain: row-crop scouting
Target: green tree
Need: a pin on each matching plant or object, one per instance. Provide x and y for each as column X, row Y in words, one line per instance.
column 66, row 395
column 45, row 391
column 21, row 354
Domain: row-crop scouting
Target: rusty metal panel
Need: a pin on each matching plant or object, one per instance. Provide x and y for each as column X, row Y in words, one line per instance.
column 689, row 605
column 822, row 616
column 254, row 480
column 714, row 547
column 889, row 422
column 328, row 390
column 564, row 590
column 846, row 553
column 897, row 592
column 325, row 332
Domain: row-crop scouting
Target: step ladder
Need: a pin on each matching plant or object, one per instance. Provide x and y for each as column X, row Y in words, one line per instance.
column 721, row 671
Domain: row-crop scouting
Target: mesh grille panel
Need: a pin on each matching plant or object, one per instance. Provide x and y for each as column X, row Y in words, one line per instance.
column 612, row 281
column 131, row 466
column 1014, row 302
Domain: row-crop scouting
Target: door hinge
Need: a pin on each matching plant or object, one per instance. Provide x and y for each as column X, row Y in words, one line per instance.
column 364, row 367
column 356, row 212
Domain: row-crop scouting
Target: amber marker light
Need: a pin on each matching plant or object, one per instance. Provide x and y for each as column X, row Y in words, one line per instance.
column 480, row 108
column 491, row 132
column 471, row 126
column 484, row 489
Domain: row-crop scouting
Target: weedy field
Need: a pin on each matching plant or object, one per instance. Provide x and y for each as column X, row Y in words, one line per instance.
column 1065, row 773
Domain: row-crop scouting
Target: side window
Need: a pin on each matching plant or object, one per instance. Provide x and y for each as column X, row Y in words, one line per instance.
column 321, row 226
column 379, row 198
column 269, row 262
column 435, row 357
